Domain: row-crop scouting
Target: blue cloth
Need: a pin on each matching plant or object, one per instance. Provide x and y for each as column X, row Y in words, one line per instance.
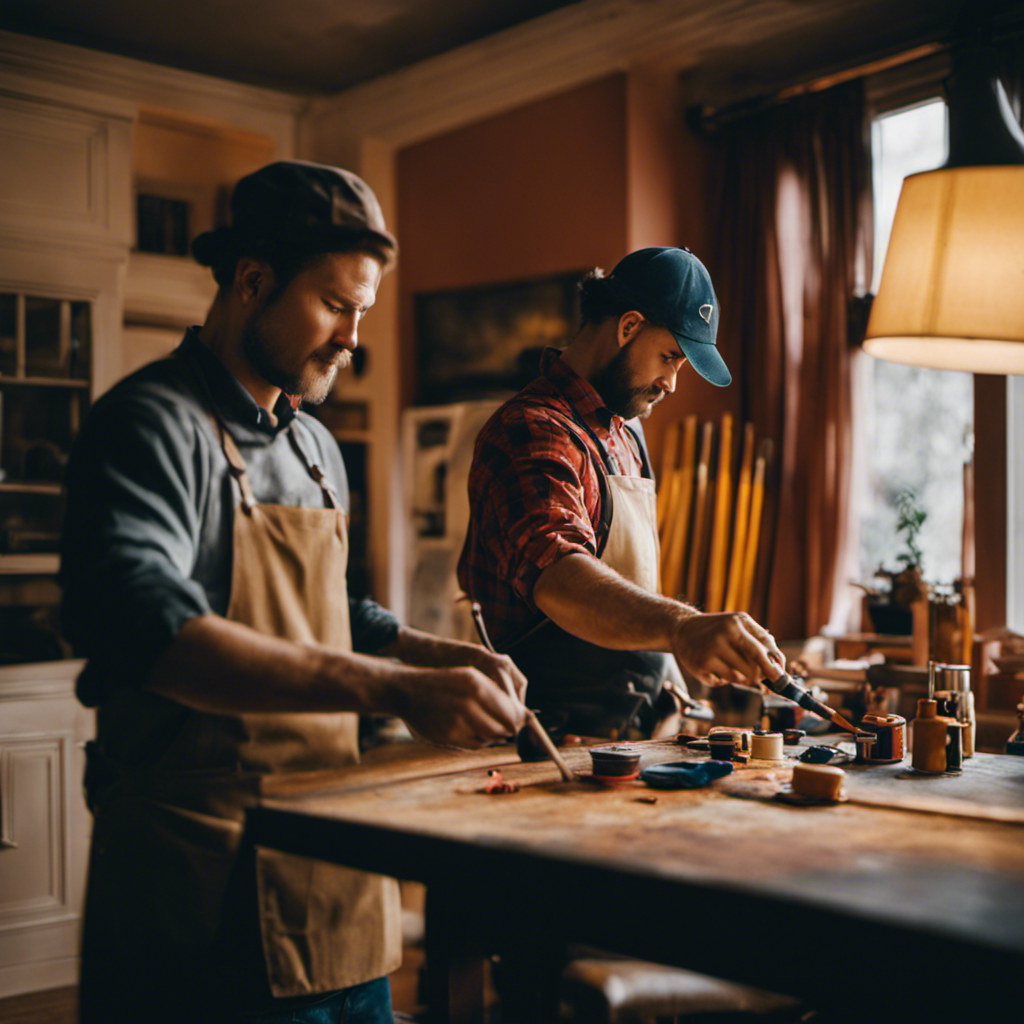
column 369, row 1003
column 684, row 774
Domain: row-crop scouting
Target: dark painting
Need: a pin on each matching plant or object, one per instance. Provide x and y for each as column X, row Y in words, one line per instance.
column 484, row 341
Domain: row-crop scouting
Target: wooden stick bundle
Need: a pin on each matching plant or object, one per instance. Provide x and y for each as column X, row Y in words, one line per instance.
column 720, row 529
column 677, row 528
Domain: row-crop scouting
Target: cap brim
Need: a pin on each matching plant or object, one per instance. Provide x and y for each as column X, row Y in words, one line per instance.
column 706, row 360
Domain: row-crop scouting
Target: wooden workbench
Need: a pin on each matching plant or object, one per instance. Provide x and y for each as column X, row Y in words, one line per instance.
column 895, row 904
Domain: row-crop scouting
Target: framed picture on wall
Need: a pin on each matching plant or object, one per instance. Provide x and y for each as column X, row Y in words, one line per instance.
column 484, row 341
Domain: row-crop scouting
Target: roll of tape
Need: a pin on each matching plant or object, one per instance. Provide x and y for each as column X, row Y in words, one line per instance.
column 766, row 746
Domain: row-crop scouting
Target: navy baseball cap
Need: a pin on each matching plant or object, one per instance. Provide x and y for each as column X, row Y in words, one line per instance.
column 673, row 289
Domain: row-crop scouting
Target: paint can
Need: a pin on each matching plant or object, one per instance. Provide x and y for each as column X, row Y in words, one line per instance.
column 616, row 763
column 882, row 739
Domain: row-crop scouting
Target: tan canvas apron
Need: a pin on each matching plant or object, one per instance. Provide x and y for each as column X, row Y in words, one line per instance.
column 175, row 902
column 583, row 687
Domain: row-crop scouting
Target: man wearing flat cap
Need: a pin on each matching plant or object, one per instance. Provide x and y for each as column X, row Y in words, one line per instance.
column 562, row 548
column 203, row 567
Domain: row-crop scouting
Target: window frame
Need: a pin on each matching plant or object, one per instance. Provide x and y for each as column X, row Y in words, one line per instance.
column 905, row 86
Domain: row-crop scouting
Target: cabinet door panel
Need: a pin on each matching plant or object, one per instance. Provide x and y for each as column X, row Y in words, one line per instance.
column 33, row 826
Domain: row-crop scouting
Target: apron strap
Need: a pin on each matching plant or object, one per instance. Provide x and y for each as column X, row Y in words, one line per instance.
column 331, row 499
column 236, row 466
column 637, row 433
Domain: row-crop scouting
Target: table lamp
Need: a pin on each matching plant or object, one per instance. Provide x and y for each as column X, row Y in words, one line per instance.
column 951, row 296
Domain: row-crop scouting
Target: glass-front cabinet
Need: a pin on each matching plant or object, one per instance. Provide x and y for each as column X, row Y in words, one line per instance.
column 46, row 346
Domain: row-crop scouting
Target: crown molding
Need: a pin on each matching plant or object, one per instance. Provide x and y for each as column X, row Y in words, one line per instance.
column 551, row 54
column 119, row 85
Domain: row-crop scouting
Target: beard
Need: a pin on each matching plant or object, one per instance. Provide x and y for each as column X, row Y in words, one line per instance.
column 311, row 382
column 619, row 390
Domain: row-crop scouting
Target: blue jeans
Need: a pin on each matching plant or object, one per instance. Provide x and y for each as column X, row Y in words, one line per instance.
column 368, row 1003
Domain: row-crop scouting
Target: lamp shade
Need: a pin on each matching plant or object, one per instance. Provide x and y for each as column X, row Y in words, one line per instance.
column 952, row 289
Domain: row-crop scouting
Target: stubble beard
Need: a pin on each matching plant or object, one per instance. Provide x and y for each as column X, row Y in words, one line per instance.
column 313, row 381
column 621, row 394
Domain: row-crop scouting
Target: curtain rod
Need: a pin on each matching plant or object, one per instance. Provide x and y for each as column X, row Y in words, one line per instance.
column 707, row 119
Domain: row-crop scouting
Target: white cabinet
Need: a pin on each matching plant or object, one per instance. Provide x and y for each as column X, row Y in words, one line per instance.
column 44, row 825
column 437, row 450
column 69, row 119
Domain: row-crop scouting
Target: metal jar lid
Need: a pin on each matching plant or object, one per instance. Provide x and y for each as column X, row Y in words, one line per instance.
column 953, row 677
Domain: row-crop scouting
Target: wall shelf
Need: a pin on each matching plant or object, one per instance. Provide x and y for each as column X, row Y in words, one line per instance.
column 20, row 487
column 29, row 565
column 46, row 382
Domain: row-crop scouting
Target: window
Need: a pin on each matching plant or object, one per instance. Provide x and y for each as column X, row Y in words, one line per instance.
column 915, row 424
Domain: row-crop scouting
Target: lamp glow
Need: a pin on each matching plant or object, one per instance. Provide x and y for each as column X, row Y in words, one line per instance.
column 951, row 295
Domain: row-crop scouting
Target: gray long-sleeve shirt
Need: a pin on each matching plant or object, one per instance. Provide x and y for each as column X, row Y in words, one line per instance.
column 150, row 505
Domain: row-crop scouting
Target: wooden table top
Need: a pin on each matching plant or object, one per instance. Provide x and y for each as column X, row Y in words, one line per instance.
column 908, row 862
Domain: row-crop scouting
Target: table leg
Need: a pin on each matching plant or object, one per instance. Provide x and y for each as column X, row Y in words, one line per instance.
column 455, row 966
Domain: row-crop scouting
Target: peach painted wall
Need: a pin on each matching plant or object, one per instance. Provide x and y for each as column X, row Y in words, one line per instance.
column 537, row 190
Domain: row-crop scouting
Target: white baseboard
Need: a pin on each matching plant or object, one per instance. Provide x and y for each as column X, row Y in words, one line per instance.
column 18, row 979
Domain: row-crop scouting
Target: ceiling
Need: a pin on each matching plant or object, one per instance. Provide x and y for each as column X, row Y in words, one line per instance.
column 324, row 46
column 318, row 46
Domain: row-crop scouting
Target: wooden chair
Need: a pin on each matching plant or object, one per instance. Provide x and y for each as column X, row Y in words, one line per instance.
column 600, row 990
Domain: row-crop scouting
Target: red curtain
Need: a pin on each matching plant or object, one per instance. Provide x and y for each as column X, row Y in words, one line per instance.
column 794, row 253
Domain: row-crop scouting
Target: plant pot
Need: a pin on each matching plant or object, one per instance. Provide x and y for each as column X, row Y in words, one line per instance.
column 889, row 618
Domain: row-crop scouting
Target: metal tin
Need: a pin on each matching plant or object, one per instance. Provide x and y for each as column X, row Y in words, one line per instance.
column 617, row 762
column 721, row 747
column 740, row 737
column 952, row 677
column 956, row 701
column 882, row 739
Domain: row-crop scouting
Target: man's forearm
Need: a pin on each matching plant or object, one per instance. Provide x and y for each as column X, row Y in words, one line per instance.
column 588, row 599
column 418, row 648
column 224, row 667
column 592, row 601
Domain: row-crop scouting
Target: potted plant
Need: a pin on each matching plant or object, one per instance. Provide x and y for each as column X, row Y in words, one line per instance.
column 889, row 604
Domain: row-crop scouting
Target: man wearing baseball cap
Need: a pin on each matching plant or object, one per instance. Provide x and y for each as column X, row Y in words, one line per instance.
column 562, row 547
column 203, row 566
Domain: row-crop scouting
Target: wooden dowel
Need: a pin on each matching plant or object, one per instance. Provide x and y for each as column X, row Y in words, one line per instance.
column 680, row 513
column 668, row 467
column 754, row 531
column 700, row 515
column 720, row 531
column 741, row 523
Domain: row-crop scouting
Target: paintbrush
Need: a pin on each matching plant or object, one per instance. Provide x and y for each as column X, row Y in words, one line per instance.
column 785, row 686
column 532, row 722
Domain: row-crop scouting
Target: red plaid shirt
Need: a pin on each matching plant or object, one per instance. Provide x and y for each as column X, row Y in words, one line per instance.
column 534, row 496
